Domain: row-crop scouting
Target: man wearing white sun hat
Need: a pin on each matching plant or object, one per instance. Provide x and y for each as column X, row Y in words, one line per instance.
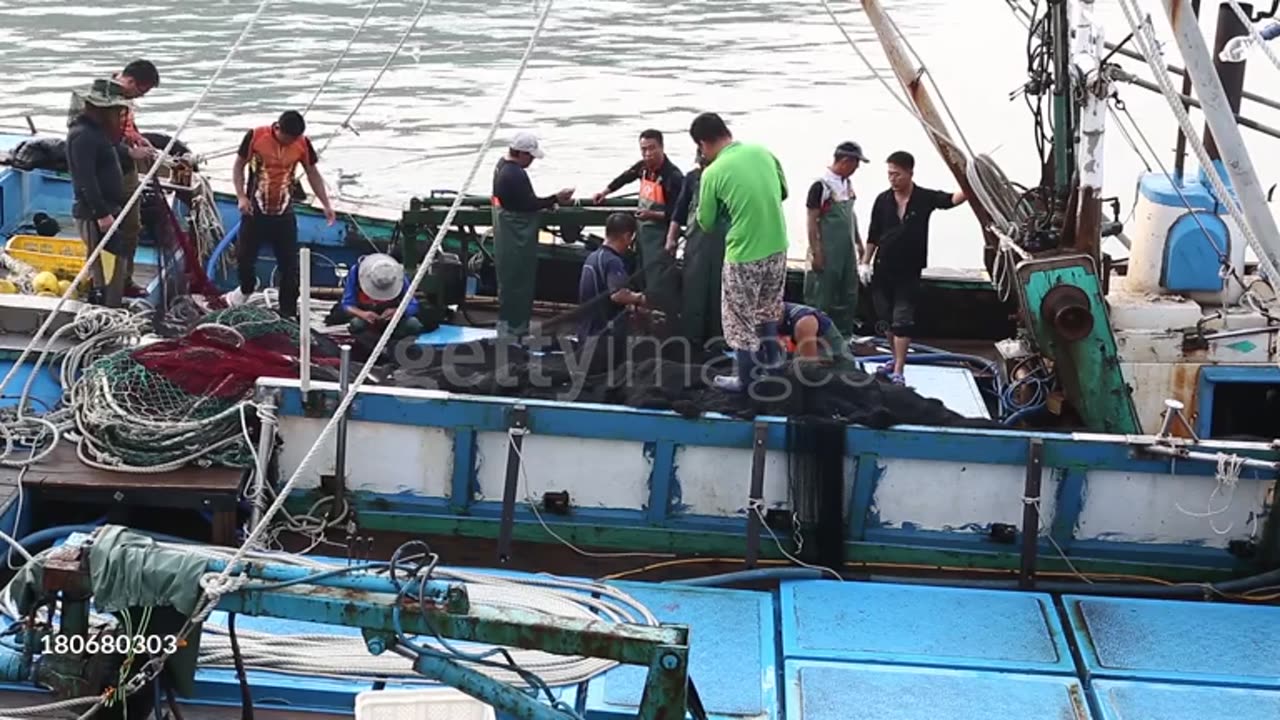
column 372, row 292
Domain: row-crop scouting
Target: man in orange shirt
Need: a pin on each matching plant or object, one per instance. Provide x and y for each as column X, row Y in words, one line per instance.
column 272, row 153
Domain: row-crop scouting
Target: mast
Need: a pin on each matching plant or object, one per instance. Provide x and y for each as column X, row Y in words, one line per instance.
column 911, row 80
column 1094, row 86
column 1063, row 115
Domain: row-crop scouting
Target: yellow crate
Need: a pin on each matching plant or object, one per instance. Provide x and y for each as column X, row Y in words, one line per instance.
column 61, row 256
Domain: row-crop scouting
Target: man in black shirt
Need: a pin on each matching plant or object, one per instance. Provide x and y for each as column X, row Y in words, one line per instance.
column 515, row 233
column 660, row 185
column 899, row 242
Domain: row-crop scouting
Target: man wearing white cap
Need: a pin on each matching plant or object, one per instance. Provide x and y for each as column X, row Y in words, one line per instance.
column 516, row 223
column 372, row 292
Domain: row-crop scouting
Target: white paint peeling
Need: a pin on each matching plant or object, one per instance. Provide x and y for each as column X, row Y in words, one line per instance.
column 949, row 496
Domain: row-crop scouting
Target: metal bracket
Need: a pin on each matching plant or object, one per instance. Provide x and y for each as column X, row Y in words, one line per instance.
column 1031, row 513
column 518, row 425
column 755, row 498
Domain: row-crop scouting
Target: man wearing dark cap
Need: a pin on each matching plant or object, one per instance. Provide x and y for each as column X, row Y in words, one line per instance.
column 831, row 285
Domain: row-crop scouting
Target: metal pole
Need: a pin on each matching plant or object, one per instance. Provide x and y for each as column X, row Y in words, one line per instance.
column 1187, row 100
column 1174, row 69
column 266, row 439
column 1231, row 75
column 304, row 322
column 910, row 79
column 344, row 383
column 1180, row 147
column 1086, row 57
column 1220, row 118
column 1063, row 130
column 1031, row 513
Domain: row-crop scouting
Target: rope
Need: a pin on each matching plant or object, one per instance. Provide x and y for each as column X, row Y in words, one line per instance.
column 210, row 599
column 1252, row 29
column 346, row 123
column 341, row 56
column 143, row 184
column 1144, row 38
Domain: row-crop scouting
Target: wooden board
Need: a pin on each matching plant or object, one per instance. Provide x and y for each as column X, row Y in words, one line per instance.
column 62, row 478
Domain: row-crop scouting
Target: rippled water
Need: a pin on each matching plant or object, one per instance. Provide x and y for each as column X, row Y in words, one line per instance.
column 779, row 71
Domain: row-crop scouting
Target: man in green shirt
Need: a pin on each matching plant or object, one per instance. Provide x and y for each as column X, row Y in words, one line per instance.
column 746, row 183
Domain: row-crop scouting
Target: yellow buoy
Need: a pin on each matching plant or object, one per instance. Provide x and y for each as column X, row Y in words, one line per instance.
column 63, row 286
column 7, row 287
column 45, row 282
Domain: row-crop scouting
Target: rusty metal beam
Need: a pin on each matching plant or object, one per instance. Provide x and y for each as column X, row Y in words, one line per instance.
column 911, row 79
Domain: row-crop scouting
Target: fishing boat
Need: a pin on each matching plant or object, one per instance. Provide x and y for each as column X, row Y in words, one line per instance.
column 1100, row 469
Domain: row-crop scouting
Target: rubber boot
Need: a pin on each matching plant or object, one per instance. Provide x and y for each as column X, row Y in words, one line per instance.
column 770, row 352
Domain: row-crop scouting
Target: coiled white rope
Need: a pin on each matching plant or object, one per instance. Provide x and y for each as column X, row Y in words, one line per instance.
column 1144, row 38
column 347, row 656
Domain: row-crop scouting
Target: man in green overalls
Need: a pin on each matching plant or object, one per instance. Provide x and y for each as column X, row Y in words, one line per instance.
column 516, row 223
column 703, row 264
column 660, row 185
column 831, row 285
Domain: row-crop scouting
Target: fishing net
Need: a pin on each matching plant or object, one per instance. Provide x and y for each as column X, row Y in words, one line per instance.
column 186, row 400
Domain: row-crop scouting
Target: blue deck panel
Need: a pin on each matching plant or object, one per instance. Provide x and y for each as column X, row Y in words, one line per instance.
column 1177, row 641
column 821, row 690
column 46, row 391
column 923, row 625
column 731, row 653
column 1124, row 700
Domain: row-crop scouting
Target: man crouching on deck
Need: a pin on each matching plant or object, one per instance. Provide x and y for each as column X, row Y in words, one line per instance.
column 370, row 296
column 746, row 181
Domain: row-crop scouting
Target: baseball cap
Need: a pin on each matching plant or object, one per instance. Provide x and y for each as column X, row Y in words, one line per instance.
column 850, row 149
column 526, row 142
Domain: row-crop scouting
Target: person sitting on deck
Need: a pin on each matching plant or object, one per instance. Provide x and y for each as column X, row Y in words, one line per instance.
column 371, row 294
column 604, row 273
column 811, row 335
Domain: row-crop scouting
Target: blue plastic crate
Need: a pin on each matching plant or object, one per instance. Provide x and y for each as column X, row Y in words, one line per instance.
column 1174, row 641
column 822, row 690
column 731, row 647
column 1126, row 700
column 923, row 625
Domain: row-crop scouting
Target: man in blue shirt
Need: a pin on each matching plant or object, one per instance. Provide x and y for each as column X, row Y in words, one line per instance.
column 602, row 287
column 371, row 294
column 813, row 335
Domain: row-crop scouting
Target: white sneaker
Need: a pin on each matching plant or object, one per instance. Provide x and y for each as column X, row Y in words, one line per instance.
column 234, row 298
column 727, row 383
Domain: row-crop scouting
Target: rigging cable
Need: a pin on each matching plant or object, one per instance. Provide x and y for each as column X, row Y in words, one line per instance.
column 215, row 586
column 143, row 184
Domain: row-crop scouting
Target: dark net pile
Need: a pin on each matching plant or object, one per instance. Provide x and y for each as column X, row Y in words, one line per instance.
column 645, row 373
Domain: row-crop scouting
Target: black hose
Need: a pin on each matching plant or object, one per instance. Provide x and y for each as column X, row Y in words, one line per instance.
column 246, row 697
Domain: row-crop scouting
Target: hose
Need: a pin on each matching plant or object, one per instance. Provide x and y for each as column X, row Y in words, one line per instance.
column 743, row 576
column 211, row 265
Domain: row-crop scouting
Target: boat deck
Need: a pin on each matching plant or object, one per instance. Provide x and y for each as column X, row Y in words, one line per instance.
column 822, row 650
column 61, row 480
